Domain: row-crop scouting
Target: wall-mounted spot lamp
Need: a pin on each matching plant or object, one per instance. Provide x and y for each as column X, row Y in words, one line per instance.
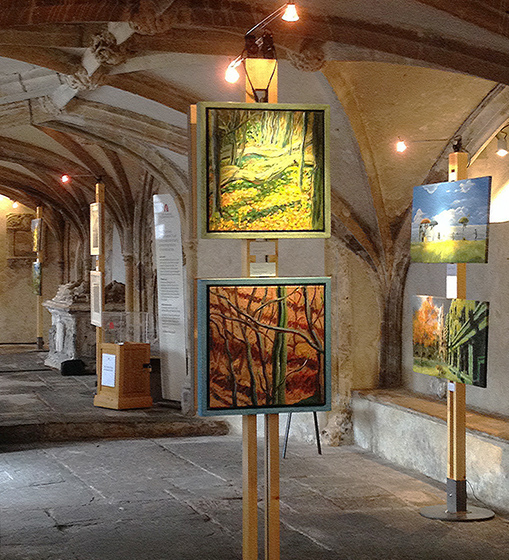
column 502, row 144
column 402, row 145
column 263, row 46
column 65, row 178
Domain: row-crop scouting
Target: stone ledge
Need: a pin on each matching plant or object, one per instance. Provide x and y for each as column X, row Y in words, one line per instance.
column 410, row 430
column 476, row 421
column 109, row 429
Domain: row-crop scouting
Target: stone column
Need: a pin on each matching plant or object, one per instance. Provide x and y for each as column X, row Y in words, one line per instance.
column 339, row 423
column 129, row 282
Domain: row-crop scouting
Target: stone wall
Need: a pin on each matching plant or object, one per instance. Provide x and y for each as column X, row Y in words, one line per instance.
column 17, row 301
column 418, row 441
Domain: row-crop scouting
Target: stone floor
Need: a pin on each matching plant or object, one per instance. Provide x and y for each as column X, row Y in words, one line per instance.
column 180, row 499
column 37, row 403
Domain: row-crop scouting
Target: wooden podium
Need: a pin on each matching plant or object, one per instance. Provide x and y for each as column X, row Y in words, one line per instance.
column 123, row 376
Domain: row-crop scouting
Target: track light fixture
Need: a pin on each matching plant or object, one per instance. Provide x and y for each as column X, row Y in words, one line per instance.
column 402, row 145
column 502, row 144
column 262, row 46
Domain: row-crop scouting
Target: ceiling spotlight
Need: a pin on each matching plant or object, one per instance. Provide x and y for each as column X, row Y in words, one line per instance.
column 290, row 12
column 502, row 145
column 15, row 204
column 401, row 146
column 65, row 178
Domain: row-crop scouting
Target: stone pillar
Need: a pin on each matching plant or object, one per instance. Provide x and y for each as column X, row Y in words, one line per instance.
column 190, row 249
column 339, row 420
column 129, row 282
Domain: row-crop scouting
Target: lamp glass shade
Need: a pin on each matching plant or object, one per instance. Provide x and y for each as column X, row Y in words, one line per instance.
column 502, row 147
column 231, row 76
column 290, row 13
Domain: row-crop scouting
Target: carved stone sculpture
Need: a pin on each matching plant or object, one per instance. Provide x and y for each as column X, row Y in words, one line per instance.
column 310, row 58
column 106, row 50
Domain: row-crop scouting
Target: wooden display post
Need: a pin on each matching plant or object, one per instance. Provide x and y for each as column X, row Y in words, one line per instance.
column 456, row 411
column 100, row 267
column 261, row 75
column 40, row 325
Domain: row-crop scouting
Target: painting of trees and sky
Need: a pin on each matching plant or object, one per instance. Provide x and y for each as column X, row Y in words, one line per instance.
column 450, row 221
column 267, row 346
column 266, row 170
column 450, row 339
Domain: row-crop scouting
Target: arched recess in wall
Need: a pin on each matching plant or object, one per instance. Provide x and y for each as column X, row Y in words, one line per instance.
column 138, row 171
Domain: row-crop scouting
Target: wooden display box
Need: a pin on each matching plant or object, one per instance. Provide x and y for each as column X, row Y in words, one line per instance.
column 123, row 379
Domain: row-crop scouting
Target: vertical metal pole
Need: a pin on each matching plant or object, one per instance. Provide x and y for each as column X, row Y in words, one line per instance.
column 287, row 433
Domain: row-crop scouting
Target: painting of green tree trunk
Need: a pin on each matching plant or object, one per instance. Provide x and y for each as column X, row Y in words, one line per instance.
column 450, row 339
column 265, row 170
column 266, row 345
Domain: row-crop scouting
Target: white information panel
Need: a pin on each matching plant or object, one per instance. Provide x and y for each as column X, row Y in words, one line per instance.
column 170, row 294
column 108, row 370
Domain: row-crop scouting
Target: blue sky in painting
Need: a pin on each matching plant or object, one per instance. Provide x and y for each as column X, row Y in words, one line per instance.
column 447, row 202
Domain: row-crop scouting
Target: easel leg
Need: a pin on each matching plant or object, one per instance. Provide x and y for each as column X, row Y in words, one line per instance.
column 317, row 433
column 272, row 548
column 249, row 489
column 287, row 433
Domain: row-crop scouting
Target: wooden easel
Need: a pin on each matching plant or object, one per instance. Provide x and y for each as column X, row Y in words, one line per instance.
column 317, row 433
column 457, row 509
column 263, row 75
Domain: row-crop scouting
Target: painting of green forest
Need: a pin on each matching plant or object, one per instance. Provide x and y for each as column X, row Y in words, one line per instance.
column 264, row 170
column 264, row 345
column 450, row 338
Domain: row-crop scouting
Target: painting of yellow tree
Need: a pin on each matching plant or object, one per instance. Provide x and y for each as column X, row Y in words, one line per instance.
column 264, row 170
column 450, row 338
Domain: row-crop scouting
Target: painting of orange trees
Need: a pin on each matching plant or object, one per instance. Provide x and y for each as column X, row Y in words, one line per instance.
column 266, row 346
column 265, row 169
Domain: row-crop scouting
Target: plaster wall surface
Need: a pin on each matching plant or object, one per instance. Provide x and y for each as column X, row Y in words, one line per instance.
column 365, row 325
column 17, row 301
column 416, row 441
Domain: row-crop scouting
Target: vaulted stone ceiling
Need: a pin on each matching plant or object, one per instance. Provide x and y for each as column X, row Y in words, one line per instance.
column 91, row 87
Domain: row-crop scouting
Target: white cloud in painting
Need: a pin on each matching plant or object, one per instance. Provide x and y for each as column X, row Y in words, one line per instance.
column 450, row 217
column 430, row 188
column 466, row 186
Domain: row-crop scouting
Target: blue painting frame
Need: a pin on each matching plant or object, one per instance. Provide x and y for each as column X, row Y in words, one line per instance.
column 242, row 371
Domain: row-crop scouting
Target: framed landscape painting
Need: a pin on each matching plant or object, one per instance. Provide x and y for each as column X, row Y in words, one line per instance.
column 96, row 298
column 96, row 210
column 263, row 345
column 450, row 222
column 263, row 170
column 450, row 338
